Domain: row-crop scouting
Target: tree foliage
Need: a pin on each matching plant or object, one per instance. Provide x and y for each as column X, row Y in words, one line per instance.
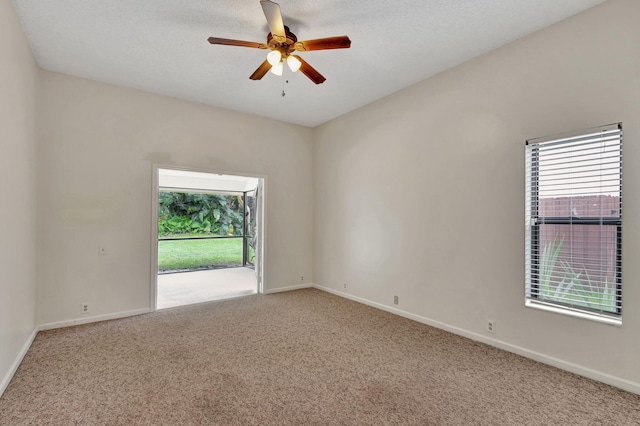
column 186, row 213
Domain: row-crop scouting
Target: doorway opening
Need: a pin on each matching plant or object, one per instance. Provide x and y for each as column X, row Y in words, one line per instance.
column 207, row 236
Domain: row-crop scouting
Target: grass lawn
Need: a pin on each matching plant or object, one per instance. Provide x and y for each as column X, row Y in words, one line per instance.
column 193, row 254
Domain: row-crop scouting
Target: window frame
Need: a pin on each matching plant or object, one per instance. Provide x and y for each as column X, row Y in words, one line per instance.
column 532, row 265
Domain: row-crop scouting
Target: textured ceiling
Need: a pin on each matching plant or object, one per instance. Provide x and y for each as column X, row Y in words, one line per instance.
column 161, row 46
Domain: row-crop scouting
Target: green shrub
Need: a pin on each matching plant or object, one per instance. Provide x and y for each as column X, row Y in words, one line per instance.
column 186, row 213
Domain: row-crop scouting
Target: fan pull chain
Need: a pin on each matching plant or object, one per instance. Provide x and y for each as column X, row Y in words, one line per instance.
column 283, row 83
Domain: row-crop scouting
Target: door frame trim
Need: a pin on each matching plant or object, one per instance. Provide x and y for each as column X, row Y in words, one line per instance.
column 261, row 268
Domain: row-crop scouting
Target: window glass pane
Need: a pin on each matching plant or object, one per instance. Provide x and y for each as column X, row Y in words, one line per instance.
column 580, row 206
column 579, row 179
column 578, row 264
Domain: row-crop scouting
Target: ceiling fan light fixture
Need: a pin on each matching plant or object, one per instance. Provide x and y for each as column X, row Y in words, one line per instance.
column 277, row 69
column 294, row 63
column 274, row 57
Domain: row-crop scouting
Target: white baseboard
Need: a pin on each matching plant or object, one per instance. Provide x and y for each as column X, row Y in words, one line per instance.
column 580, row 370
column 97, row 318
column 290, row 288
column 16, row 363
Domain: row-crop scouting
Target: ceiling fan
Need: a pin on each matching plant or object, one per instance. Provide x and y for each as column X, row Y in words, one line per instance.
column 283, row 43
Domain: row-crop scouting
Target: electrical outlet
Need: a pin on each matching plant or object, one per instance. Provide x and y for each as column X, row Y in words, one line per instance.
column 84, row 308
column 102, row 250
column 396, row 300
column 345, row 285
column 301, row 278
column 491, row 326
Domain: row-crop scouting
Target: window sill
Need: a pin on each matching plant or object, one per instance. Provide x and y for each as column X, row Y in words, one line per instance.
column 604, row 319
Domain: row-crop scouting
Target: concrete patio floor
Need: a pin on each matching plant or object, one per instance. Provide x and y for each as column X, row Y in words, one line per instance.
column 186, row 288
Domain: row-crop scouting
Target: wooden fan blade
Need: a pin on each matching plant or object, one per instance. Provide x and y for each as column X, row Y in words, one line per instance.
column 261, row 71
column 310, row 71
column 340, row 42
column 274, row 19
column 229, row 42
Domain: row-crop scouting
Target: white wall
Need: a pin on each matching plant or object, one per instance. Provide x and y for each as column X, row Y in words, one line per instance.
column 18, row 86
column 421, row 194
column 97, row 144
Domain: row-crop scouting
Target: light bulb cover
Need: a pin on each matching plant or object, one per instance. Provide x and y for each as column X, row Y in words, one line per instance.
column 274, row 57
column 294, row 63
column 277, row 69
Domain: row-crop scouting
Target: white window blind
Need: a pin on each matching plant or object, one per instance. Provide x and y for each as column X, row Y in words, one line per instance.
column 574, row 222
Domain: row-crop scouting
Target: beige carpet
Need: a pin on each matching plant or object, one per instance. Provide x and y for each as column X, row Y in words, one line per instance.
column 298, row 358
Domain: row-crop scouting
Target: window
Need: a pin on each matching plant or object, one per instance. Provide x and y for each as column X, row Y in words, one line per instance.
column 573, row 223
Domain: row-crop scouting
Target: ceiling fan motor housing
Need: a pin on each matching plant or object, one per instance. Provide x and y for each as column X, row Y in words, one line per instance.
column 286, row 47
